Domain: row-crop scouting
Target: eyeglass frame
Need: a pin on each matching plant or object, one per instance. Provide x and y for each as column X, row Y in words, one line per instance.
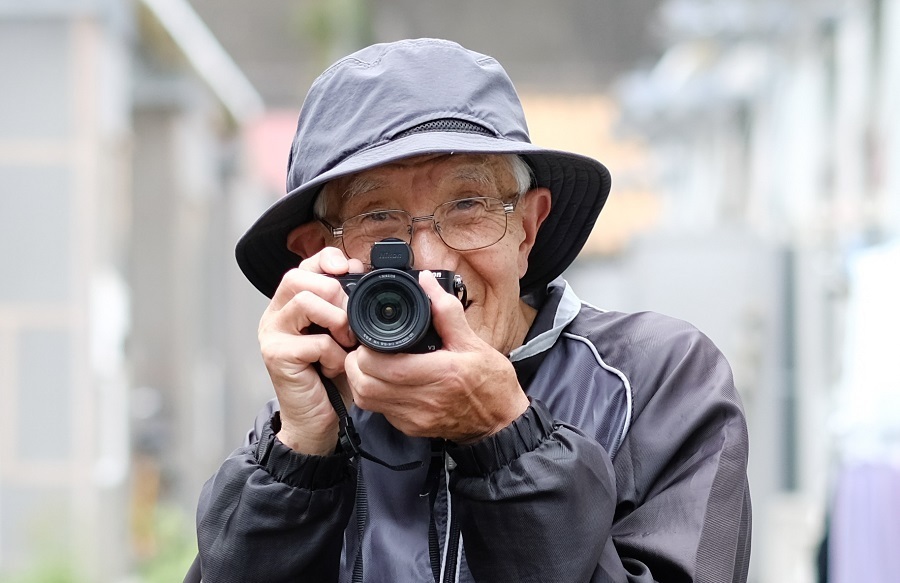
column 508, row 209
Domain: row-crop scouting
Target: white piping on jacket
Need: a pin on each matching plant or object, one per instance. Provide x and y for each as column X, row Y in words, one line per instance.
column 629, row 398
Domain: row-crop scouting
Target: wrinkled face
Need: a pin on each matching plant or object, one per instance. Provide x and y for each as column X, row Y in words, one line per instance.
column 491, row 274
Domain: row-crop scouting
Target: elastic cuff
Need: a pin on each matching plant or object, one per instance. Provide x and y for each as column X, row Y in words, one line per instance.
column 309, row 472
column 523, row 435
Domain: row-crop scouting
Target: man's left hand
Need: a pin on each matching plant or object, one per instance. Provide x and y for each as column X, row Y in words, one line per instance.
column 464, row 392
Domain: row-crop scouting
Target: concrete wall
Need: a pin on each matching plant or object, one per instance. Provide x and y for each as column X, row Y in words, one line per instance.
column 63, row 311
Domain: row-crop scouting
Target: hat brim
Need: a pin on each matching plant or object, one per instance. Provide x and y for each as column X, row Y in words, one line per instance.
column 579, row 188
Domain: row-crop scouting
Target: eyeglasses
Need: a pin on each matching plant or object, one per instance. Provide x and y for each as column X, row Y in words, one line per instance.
column 463, row 225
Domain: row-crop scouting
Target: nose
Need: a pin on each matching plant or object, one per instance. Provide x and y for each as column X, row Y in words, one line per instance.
column 429, row 250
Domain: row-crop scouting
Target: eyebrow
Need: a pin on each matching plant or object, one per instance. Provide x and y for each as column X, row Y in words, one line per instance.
column 360, row 185
column 479, row 174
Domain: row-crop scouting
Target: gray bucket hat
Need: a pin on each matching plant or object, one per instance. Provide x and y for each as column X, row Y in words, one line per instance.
column 408, row 98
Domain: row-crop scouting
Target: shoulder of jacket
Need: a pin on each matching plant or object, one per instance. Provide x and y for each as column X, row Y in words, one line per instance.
column 648, row 332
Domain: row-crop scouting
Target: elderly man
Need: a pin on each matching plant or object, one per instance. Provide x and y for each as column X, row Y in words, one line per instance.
column 540, row 440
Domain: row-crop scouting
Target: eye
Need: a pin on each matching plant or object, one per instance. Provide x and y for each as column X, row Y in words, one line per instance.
column 465, row 206
column 380, row 217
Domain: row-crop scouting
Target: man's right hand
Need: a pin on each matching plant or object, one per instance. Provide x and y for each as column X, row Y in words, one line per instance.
column 304, row 298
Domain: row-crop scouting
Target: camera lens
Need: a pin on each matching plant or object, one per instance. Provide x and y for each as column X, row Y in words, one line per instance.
column 388, row 311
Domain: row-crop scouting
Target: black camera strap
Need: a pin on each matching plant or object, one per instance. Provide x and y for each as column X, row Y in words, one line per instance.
column 349, row 439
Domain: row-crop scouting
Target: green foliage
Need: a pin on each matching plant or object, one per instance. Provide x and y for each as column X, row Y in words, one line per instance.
column 176, row 548
column 48, row 570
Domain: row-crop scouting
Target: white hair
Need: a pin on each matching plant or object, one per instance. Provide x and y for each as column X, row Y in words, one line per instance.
column 520, row 170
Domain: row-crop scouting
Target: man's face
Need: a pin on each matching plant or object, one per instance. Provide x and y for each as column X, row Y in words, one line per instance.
column 417, row 186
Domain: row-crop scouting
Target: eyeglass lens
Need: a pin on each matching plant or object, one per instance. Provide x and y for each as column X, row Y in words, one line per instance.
column 463, row 225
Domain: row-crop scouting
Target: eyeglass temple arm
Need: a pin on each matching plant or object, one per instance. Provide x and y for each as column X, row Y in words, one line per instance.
column 336, row 232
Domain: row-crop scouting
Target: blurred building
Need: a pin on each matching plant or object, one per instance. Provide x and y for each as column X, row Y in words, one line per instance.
column 118, row 129
column 64, row 195
column 777, row 154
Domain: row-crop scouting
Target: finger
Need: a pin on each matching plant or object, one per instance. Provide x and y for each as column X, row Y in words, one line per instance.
column 356, row 266
column 308, row 275
column 307, row 309
column 369, row 391
column 288, row 355
column 329, row 260
column 447, row 314
column 297, row 280
column 416, row 407
column 309, row 313
column 400, row 369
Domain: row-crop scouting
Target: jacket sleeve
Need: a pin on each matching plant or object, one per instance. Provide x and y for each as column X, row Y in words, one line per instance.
column 272, row 515
column 683, row 510
column 540, row 501
column 535, row 502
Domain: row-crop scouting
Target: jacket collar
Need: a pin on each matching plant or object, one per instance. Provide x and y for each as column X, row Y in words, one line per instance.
column 558, row 308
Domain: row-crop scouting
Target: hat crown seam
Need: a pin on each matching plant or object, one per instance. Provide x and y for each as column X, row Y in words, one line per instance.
column 437, row 44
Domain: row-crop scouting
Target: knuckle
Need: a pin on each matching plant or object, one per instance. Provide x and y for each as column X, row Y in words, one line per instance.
column 363, row 397
column 361, row 394
column 271, row 359
column 332, row 288
column 303, row 298
column 292, row 278
column 272, row 350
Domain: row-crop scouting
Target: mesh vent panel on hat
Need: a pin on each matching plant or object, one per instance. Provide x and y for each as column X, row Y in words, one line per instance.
column 446, row 125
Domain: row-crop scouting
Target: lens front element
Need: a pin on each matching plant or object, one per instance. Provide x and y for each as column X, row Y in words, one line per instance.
column 388, row 311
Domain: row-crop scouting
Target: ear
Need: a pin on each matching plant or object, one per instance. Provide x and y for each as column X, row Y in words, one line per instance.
column 307, row 239
column 534, row 206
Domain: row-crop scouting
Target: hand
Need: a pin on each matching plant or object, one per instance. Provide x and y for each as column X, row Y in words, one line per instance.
column 306, row 297
column 464, row 392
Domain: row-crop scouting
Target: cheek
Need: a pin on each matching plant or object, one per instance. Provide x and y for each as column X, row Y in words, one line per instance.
column 493, row 273
column 516, row 238
column 499, row 277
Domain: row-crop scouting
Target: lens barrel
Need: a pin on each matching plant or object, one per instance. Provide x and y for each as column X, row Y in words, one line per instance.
column 389, row 311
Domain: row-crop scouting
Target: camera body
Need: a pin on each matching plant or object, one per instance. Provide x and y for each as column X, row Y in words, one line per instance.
column 387, row 308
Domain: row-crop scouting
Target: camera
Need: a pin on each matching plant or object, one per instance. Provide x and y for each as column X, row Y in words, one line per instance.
column 387, row 308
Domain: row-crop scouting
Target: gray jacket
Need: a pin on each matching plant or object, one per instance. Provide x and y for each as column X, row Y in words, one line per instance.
column 630, row 465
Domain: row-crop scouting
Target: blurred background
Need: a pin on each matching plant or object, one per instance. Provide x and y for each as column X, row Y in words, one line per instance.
column 755, row 153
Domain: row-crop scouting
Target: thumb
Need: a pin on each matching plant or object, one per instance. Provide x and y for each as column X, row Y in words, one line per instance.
column 447, row 314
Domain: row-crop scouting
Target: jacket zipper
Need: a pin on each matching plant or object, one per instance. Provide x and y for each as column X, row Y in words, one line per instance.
column 452, row 551
column 362, row 516
column 452, row 554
